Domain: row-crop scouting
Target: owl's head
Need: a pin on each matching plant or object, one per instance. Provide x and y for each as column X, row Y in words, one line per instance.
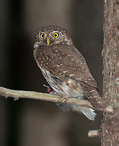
column 50, row 35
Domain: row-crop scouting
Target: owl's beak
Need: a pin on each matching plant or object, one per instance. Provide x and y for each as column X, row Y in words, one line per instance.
column 48, row 41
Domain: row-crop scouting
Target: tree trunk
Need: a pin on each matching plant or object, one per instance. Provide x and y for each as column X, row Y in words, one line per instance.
column 110, row 123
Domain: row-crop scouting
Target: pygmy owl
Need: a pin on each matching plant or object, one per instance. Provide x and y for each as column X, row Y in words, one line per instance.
column 65, row 69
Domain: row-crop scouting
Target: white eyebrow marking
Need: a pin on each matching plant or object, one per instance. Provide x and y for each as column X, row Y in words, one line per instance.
column 36, row 44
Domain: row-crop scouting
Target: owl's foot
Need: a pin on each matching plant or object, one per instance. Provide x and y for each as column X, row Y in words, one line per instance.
column 63, row 98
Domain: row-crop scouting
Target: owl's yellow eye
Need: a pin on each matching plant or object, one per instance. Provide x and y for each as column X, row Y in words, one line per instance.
column 55, row 35
column 42, row 35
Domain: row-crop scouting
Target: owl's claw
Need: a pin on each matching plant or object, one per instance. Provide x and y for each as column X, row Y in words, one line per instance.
column 63, row 99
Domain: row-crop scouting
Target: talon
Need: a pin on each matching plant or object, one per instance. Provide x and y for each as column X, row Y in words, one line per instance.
column 64, row 99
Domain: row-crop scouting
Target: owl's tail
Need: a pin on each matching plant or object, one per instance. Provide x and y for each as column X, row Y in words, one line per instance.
column 94, row 98
column 88, row 112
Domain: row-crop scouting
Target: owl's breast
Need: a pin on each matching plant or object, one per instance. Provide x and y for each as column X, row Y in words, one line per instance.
column 50, row 57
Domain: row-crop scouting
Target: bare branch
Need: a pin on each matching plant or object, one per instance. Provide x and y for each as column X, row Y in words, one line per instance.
column 16, row 94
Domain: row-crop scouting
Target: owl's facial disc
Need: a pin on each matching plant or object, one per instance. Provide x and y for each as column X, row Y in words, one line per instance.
column 49, row 38
column 52, row 35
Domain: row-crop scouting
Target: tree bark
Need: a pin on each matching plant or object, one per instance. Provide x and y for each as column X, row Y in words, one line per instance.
column 110, row 53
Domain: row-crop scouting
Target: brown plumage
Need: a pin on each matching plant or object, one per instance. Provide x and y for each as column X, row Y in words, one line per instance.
column 65, row 68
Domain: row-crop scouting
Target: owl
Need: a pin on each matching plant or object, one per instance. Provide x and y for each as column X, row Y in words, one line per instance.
column 65, row 69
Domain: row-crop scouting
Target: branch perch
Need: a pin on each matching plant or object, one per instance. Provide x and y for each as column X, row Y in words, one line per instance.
column 16, row 94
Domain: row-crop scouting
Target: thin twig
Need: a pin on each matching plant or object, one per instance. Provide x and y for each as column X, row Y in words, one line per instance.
column 94, row 133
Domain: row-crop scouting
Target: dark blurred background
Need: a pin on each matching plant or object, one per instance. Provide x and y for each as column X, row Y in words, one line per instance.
column 38, row 123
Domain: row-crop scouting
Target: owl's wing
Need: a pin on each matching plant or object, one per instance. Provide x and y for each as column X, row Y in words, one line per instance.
column 66, row 61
